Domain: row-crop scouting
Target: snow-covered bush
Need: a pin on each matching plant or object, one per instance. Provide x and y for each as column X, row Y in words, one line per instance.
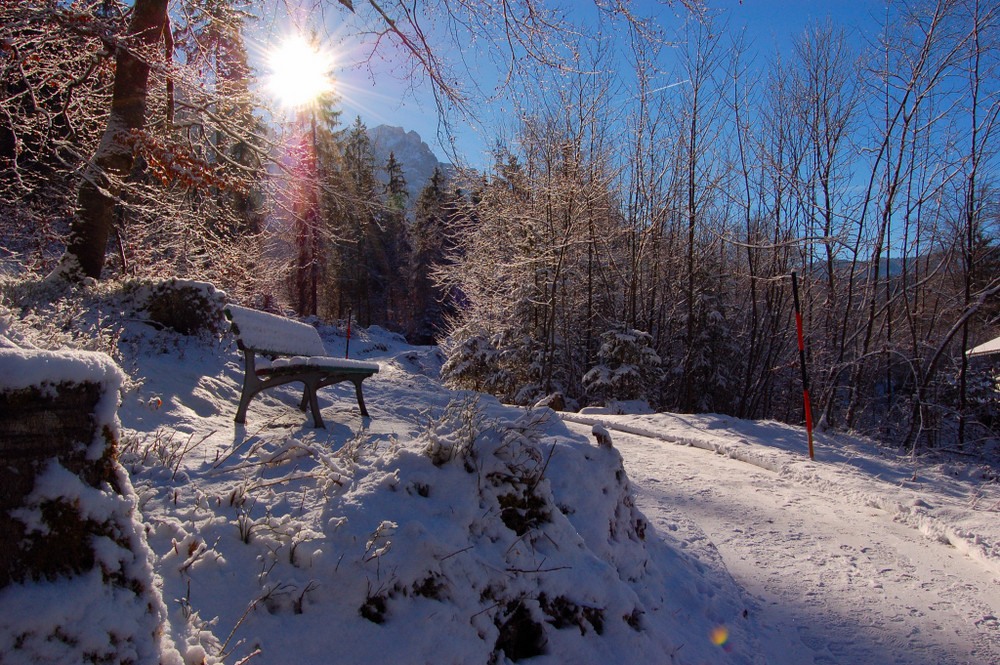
column 185, row 306
column 984, row 395
column 57, row 315
column 508, row 365
column 474, row 364
column 91, row 316
column 628, row 368
column 452, row 435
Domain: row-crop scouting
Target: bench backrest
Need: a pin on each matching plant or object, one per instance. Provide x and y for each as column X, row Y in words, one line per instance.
column 273, row 335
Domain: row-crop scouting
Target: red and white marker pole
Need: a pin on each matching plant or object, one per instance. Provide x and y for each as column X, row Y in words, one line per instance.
column 350, row 315
column 802, row 363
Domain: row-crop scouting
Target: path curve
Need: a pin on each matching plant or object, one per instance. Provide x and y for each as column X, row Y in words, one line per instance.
column 830, row 582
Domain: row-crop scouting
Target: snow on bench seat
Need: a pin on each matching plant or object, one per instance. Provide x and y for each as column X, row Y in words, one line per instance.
column 322, row 362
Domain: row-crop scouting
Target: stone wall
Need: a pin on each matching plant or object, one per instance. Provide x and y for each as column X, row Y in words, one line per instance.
column 38, row 424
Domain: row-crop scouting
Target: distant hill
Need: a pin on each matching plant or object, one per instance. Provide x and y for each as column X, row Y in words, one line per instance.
column 416, row 157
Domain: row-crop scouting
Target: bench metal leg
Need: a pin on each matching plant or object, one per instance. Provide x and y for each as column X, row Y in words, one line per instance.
column 312, row 382
column 241, row 411
column 361, row 399
column 250, row 387
column 310, row 395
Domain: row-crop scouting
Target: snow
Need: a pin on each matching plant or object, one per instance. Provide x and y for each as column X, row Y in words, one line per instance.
column 82, row 611
column 325, row 362
column 448, row 525
column 986, row 348
column 863, row 555
column 266, row 332
column 954, row 504
column 22, row 368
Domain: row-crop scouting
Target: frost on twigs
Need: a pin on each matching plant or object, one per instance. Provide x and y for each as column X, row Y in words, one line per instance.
column 453, row 434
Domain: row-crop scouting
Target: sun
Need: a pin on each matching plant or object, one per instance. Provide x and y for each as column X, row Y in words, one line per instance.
column 299, row 72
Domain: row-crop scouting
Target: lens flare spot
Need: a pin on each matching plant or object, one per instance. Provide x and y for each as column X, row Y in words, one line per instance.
column 300, row 71
column 719, row 635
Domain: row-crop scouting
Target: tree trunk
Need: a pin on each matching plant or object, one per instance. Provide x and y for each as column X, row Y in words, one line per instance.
column 113, row 160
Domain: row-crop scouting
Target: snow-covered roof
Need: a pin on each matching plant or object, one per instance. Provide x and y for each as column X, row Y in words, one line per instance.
column 270, row 333
column 985, row 349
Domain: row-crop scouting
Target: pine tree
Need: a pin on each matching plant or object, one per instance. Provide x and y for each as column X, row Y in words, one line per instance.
column 358, row 256
column 334, row 200
column 433, row 235
column 395, row 240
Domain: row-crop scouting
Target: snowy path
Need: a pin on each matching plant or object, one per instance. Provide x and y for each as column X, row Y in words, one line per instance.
column 831, row 582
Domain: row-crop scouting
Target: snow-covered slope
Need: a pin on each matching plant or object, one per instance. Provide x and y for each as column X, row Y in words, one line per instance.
column 447, row 528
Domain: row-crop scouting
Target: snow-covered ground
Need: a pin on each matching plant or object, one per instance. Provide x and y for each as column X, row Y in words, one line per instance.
column 860, row 557
column 452, row 529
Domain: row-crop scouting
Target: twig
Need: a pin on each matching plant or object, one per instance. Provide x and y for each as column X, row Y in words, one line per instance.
column 448, row 556
column 537, row 570
column 493, row 606
column 187, row 448
column 250, row 607
column 244, row 441
column 544, row 467
column 243, row 660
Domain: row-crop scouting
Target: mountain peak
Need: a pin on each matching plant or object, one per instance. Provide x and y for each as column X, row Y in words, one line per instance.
column 413, row 154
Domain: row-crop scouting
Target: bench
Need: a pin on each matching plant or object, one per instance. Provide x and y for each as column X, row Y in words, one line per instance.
column 298, row 356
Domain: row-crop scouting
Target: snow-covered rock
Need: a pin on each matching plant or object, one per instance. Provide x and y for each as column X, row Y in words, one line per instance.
column 415, row 156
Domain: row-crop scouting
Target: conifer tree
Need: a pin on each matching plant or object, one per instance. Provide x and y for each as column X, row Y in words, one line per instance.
column 358, row 251
column 433, row 237
column 395, row 240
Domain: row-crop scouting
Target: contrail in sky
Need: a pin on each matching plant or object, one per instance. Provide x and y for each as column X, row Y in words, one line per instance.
column 671, row 85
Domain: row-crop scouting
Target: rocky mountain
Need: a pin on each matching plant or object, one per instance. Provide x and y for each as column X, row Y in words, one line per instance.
column 416, row 157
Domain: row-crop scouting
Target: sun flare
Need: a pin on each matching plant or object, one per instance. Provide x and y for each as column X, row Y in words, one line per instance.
column 299, row 72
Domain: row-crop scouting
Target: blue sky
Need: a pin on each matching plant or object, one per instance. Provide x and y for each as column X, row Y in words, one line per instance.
column 381, row 97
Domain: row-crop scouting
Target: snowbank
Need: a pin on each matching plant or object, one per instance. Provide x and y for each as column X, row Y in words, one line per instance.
column 448, row 528
column 48, row 370
column 84, row 588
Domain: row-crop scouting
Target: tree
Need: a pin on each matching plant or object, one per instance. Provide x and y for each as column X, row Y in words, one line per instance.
column 392, row 229
column 628, row 368
column 531, row 30
column 359, row 264
column 56, row 72
column 115, row 155
column 437, row 220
